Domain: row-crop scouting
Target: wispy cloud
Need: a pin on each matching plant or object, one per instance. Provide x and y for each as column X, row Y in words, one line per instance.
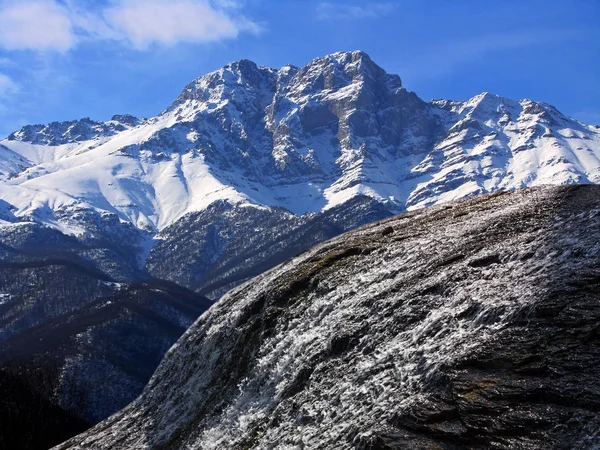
column 337, row 11
column 7, row 86
column 49, row 25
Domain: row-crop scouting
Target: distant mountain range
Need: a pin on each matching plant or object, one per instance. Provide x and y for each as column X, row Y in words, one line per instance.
column 247, row 168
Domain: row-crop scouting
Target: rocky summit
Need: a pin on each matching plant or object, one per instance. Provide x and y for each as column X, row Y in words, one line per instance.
column 468, row 325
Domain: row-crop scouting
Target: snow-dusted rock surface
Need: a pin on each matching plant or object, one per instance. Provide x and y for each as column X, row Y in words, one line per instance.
column 469, row 325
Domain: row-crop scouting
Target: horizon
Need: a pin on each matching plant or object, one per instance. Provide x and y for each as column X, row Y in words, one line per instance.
column 65, row 59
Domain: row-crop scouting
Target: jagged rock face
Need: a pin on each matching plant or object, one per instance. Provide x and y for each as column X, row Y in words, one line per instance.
column 295, row 126
column 127, row 120
column 493, row 142
column 470, row 325
column 343, row 114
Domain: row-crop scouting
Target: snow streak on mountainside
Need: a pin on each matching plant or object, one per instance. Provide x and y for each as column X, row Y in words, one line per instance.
column 472, row 325
column 304, row 139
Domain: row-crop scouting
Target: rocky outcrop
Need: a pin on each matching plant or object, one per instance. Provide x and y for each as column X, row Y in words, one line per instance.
column 468, row 325
column 69, row 132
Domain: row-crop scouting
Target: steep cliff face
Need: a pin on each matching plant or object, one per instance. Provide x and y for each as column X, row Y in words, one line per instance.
column 469, row 325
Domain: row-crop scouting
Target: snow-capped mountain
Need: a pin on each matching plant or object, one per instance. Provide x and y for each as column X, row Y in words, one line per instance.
column 472, row 325
column 302, row 139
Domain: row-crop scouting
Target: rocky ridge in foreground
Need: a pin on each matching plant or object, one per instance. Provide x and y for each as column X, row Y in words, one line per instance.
column 468, row 325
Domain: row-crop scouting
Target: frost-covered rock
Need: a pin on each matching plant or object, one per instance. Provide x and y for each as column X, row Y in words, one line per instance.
column 59, row 133
column 468, row 325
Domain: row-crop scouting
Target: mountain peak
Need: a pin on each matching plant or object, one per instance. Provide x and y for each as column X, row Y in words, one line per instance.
column 332, row 71
column 354, row 55
column 356, row 63
column 340, row 69
column 486, row 96
column 214, row 85
column 242, row 66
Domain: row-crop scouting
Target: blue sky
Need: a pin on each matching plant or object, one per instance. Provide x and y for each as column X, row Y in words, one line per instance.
column 67, row 59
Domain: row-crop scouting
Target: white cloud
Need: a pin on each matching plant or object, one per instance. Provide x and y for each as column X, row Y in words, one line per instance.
column 49, row 25
column 8, row 89
column 334, row 11
column 39, row 24
column 144, row 22
column 7, row 86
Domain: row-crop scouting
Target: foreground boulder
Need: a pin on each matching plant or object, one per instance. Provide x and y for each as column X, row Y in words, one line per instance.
column 470, row 325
